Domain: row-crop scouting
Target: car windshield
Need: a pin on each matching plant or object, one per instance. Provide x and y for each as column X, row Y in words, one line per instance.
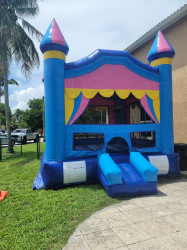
column 19, row 131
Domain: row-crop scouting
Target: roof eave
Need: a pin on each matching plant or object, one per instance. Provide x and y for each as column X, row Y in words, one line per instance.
column 161, row 26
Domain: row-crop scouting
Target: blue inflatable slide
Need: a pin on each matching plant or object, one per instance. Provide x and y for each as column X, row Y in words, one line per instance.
column 138, row 176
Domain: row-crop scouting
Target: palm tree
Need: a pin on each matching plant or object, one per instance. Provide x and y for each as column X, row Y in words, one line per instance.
column 15, row 43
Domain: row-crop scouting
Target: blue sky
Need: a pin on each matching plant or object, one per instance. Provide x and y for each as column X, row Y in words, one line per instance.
column 88, row 25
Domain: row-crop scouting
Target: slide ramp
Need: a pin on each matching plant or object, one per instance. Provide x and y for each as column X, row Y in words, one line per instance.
column 137, row 176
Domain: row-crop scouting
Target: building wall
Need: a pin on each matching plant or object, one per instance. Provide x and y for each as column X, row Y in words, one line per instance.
column 176, row 34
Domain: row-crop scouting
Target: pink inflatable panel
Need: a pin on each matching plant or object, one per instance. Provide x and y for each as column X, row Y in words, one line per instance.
column 111, row 77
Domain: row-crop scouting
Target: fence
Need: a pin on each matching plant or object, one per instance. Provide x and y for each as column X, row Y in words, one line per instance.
column 19, row 151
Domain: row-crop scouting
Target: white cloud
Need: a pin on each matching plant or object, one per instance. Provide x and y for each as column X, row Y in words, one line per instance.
column 20, row 98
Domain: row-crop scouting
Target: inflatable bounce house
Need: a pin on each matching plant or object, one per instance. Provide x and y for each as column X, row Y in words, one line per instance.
column 109, row 118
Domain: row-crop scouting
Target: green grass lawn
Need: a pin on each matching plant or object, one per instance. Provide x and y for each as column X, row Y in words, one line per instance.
column 41, row 219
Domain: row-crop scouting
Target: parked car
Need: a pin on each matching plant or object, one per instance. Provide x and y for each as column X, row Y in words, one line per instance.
column 4, row 139
column 24, row 135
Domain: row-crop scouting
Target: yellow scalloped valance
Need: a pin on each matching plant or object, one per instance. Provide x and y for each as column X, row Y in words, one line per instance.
column 122, row 93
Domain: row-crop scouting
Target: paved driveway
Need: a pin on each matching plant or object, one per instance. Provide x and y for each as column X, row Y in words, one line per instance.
column 149, row 222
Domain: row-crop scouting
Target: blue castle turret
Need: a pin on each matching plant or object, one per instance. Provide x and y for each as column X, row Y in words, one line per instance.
column 55, row 49
column 160, row 56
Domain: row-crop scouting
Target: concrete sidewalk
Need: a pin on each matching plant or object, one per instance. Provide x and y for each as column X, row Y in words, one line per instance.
column 147, row 222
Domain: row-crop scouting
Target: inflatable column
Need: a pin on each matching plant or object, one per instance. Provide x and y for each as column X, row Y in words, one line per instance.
column 55, row 49
column 161, row 55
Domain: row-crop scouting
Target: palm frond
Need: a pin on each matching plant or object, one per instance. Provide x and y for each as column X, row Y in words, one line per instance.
column 1, row 92
column 19, row 3
column 25, row 8
column 13, row 82
column 27, row 12
column 31, row 30
column 5, row 39
column 24, row 51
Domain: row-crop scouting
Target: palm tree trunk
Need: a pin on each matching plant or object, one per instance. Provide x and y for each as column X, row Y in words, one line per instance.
column 7, row 113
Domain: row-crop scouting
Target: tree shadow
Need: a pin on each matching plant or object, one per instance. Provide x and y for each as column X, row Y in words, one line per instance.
column 167, row 179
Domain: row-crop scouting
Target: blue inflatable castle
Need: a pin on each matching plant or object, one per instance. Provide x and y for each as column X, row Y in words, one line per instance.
column 108, row 118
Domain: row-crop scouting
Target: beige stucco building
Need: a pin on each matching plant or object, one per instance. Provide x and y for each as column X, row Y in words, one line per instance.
column 174, row 28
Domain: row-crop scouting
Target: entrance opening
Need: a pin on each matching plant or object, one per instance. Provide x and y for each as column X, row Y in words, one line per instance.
column 117, row 145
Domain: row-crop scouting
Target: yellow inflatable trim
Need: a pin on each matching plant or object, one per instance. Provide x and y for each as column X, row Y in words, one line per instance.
column 161, row 61
column 69, row 106
column 156, row 106
column 54, row 54
column 123, row 94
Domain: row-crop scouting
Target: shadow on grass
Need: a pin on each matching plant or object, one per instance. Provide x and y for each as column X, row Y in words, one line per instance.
column 17, row 157
column 29, row 153
column 161, row 181
column 96, row 187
